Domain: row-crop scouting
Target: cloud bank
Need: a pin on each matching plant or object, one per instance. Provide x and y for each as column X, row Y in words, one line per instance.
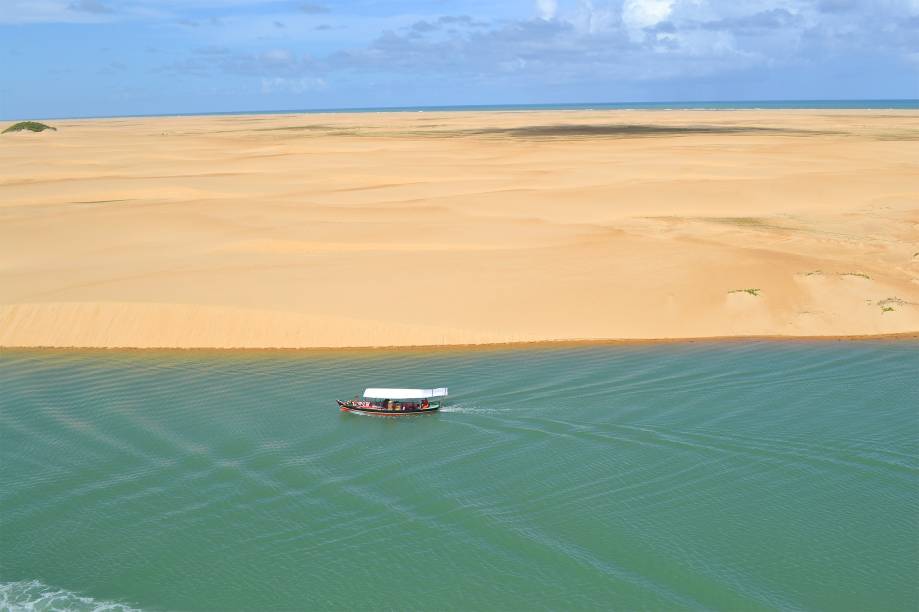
column 473, row 51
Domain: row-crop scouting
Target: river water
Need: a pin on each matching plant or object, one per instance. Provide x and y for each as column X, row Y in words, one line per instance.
column 726, row 475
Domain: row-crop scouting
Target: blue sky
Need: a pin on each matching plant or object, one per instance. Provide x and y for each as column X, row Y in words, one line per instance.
column 113, row 57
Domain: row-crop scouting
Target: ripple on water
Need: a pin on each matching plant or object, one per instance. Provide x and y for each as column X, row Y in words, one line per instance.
column 719, row 475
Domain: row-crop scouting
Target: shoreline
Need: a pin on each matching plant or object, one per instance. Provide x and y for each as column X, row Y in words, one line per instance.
column 493, row 346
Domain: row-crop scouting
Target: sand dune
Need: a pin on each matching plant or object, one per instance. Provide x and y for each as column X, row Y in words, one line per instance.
column 459, row 228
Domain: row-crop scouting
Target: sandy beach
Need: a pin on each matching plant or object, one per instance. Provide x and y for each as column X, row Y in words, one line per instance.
column 399, row 229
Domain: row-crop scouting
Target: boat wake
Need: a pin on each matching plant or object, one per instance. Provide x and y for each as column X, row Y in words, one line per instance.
column 472, row 409
column 28, row 595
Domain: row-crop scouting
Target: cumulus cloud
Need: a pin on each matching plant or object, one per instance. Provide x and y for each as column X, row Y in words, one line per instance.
column 54, row 11
column 757, row 22
column 90, row 6
column 313, row 9
column 543, row 43
column 639, row 14
column 450, row 23
column 635, row 40
column 269, row 64
column 299, row 85
column 546, row 9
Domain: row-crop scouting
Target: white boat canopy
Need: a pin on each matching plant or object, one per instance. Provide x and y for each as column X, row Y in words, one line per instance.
column 379, row 393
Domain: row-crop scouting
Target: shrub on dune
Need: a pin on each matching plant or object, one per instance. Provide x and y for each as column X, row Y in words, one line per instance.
column 30, row 126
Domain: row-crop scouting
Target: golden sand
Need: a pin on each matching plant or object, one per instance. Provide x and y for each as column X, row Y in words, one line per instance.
column 459, row 228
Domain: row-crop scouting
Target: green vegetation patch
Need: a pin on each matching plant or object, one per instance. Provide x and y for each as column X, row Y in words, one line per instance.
column 754, row 223
column 753, row 292
column 743, row 221
column 888, row 304
column 28, row 126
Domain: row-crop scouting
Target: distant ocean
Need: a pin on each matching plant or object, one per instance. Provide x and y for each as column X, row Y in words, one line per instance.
column 699, row 105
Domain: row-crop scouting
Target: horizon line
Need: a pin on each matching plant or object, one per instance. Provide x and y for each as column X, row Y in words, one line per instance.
column 846, row 103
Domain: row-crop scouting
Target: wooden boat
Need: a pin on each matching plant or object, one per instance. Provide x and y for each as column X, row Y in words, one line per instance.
column 396, row 402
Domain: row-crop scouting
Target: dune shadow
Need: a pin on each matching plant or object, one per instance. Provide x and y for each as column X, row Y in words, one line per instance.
column 625, row 130
column 560, row 131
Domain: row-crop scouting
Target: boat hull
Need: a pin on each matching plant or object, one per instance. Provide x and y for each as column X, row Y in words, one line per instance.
column 346, row 407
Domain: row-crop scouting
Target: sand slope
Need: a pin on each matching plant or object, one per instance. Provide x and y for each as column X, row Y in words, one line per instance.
column 454, row 228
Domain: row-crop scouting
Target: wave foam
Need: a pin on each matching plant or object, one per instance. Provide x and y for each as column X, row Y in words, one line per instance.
column 33, row 595
column 473, row 409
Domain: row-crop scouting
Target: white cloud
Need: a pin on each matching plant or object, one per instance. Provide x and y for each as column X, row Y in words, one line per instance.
column 277, row 56
column 575, row 41
column 50, row 11
column 283, row 85
column 638, row 14
column 546, row 8
column 592, row 19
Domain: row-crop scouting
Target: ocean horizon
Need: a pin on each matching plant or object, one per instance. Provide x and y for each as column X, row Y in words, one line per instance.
column 854, row 104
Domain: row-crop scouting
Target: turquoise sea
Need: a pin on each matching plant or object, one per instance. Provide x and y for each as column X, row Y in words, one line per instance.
column 676, row 105
column 692, row 105
column 750, row 475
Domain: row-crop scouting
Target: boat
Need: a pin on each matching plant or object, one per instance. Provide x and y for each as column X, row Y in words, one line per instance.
column 396, row 402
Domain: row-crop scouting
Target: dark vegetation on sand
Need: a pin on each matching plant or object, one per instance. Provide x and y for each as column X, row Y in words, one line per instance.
column 31, row 126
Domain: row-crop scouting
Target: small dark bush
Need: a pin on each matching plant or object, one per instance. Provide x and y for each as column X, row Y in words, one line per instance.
column 31, row 126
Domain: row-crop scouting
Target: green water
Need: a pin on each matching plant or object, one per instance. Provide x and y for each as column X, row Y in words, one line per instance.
column 733, row 476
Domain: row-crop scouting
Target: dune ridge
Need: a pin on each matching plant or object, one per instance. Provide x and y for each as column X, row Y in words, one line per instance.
column 424, row 229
